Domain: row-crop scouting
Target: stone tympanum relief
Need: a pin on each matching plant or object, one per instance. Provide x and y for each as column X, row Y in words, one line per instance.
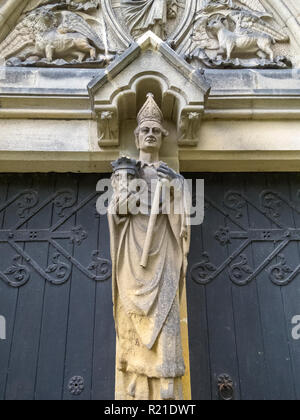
column 234, row 34
column 208, row 33
column 149, row 253
column 58, row 33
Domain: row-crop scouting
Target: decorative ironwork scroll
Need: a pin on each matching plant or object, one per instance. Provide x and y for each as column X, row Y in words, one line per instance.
column 61, row 261
column 234, row 209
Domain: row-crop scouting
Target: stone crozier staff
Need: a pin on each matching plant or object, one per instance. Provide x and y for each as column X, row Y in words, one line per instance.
column 147, row 298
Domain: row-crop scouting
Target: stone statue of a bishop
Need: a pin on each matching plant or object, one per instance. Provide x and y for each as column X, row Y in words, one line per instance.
column 149, row 15
column 149, row 255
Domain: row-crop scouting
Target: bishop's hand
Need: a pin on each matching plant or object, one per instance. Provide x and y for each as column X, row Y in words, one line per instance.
column 166, row 173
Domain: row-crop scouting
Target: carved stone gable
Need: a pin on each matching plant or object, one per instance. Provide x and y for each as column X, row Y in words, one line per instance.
column 118, row 92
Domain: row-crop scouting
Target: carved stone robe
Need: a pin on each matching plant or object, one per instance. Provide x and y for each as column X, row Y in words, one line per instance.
column 144, row 15
column 146, row 301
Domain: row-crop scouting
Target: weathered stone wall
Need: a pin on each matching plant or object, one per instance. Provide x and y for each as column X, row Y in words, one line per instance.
column 251, row 122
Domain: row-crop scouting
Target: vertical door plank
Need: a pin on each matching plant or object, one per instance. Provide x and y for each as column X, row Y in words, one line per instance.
column 24, row 355
column 82, row 299
column 293, row 290
column 221, row 326
column 280, row 381
column 290, row 294
column 8, row 295
column 197, row 319
column 104, row 336
column 50, row 372
column 249, row 339
column 198, row 326
column 7, row 303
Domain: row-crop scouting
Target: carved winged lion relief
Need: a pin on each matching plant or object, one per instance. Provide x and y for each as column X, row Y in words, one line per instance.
column 234, row 34
column 58, row 32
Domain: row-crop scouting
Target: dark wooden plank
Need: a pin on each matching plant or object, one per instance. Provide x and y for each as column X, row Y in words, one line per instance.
column 50, row 373
column 4, row 304
column 8, row 295
column 221, row 327
column 249, row 339
column 280, row 380
column 104, row 334
column 24, row 355
column 292, row 297
column 290, row 293
column 197, row 319
column 198, row 327
column 79, row 354
column 293, row 305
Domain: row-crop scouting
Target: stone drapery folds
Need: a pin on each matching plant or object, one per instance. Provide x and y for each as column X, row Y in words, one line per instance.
column 147, row 294
column 144, row 15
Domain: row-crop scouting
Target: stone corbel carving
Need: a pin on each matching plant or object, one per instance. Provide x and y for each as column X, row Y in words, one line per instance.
column 108, row 127
column 189, row 126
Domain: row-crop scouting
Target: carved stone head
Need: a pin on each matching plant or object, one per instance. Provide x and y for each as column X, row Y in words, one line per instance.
column 42, row 19
column 150, row 131
column 125, row 170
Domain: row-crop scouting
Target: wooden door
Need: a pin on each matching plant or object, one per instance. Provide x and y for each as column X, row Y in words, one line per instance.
column 244, row 289
column 55, row 290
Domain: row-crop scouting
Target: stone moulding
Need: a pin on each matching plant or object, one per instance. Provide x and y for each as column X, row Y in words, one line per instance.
column 286, row 13
column 113, row 23
column 186, row 22
column 250, row 120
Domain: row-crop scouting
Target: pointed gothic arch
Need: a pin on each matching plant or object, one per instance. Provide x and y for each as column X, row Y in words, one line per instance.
column 286, row 14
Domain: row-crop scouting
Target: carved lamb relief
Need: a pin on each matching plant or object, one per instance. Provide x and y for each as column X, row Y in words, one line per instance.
column 235, row 34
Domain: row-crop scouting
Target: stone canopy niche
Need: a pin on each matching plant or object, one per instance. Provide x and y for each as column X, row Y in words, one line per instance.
column 148, row 66
column 218, row 34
